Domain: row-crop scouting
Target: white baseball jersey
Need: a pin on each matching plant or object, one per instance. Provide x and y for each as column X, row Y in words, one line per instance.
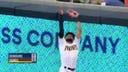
column 68, row 52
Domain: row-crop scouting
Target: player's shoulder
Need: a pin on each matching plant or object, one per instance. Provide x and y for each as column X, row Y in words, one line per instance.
column 61, row 39
column 76, row 40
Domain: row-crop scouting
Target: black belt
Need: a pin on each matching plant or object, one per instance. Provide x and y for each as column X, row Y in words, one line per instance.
column 72, row 69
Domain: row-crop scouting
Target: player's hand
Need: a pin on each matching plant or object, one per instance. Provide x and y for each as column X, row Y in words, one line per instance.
column 61, row 10
column 73, row 13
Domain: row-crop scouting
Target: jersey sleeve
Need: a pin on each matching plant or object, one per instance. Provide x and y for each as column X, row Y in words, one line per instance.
column 77, row 41
column 61, row 41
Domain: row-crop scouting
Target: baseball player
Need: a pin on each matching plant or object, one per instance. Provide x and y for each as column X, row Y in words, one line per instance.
column 68, row 45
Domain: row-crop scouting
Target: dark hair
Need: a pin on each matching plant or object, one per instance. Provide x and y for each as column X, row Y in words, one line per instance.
column 70, row 33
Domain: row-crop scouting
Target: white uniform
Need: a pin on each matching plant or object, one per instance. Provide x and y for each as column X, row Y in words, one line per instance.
column 68, row 53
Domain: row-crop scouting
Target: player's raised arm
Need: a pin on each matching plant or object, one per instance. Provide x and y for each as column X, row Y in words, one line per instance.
column 78, row 33
column 75, row 14
column 60, row 18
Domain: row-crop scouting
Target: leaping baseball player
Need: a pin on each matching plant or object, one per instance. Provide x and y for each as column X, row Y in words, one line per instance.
column 68, row 45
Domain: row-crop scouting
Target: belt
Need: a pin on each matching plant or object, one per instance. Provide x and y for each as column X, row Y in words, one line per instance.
column 71, row 69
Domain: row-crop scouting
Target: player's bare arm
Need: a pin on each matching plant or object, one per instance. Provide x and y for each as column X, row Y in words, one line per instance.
column 78, row 33
column 75, row 14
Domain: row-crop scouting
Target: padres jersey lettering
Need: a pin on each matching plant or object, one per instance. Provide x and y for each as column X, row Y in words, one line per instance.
column 70, row 48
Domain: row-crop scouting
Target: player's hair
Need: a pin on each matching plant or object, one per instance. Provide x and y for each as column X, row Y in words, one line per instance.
column 70, row 33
